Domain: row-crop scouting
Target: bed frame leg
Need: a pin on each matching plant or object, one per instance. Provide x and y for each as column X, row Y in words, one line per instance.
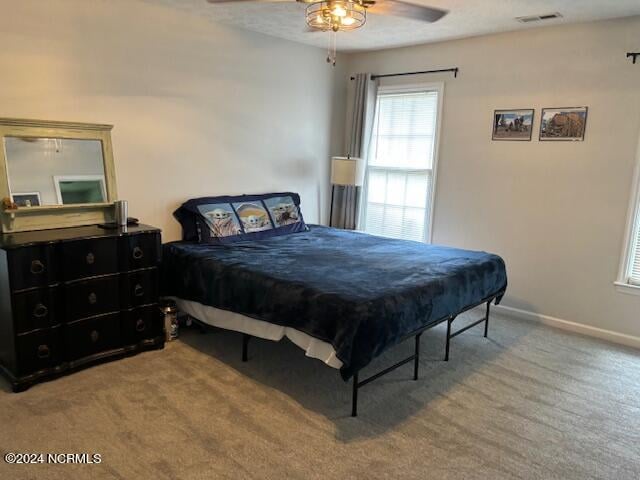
column 446, row 351
column 354, row 397
column 416, row 356
column 416, row 363
column 245, row 346
column 486, row 322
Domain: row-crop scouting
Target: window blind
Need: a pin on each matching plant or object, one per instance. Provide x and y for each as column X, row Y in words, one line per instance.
column 399, row 181
column 634, row 276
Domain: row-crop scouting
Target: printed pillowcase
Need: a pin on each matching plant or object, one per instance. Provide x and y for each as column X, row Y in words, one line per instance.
column 253, row 216
column 283, row 210
column 237, row 218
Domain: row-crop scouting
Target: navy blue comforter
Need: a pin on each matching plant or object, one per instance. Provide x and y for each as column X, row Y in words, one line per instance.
column 358, row 292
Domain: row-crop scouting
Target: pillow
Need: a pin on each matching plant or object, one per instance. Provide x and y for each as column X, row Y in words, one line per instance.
column 229, row 219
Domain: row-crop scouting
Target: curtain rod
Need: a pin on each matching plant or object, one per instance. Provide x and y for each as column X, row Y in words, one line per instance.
column 385, row 75
column 633, row 55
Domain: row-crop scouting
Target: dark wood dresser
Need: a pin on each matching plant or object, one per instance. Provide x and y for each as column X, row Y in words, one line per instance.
column 74, row 297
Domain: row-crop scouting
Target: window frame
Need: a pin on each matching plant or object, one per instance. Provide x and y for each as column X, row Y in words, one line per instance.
column 437, row 87
column 632, row 231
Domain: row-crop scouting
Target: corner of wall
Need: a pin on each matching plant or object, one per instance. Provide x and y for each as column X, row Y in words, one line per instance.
column 338, row 123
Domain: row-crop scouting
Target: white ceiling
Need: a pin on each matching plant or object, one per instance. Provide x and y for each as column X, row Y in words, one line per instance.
column 285, row 19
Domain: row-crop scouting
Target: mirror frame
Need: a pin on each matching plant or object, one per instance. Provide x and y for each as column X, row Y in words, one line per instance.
column 22, row 219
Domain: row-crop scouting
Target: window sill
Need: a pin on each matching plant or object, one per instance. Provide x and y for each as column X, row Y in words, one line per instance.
column 627, row 288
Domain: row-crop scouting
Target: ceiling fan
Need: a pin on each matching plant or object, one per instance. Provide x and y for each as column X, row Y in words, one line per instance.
column 344, row 15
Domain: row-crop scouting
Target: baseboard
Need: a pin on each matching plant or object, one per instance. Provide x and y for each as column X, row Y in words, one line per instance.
column 615, row 337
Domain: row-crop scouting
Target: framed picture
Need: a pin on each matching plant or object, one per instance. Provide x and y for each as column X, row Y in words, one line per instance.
column 563, row 124
column 513, row 124
column 27, row 199
column 79, row 189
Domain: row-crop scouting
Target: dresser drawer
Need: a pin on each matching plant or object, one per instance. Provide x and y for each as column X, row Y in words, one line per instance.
column 139, row 288
column 88, row 258
column 93, row 335
column 36, row 309
column 32, row 267
column 140, row 251
column 38, row 351
column 142, row 323
column 89, row 298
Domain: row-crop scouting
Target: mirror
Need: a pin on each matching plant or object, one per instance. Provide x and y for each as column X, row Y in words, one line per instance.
column 55, row 171
column 55, row 174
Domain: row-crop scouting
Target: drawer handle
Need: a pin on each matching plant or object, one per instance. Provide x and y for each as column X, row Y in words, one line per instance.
column 43, row 351
column 137, row 253
column 138, row 290
column 40, row 311
column 94, row 336
column 140, row 325
column 93, row 298
column 90, row 258
column 37, row 267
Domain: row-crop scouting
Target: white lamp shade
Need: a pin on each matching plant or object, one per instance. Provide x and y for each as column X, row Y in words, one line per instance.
column 345, row 171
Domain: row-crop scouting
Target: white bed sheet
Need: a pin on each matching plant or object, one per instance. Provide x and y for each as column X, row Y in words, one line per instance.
column 216, row 317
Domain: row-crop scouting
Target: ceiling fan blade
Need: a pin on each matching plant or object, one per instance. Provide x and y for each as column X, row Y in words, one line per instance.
column 235, row 1
column 214, row 2
column 398, row 8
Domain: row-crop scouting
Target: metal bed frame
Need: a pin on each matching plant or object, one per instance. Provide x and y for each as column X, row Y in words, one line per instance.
column 357, row 383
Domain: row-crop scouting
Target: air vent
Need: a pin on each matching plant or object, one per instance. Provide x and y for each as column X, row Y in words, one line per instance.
column 538, row 18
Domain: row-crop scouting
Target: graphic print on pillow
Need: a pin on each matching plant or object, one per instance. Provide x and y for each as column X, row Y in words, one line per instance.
column 238, row 218
column 220, row 219
column 253, row 216
column 283, row 210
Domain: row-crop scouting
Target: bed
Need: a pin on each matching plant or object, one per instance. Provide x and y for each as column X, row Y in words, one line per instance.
column 343, row 296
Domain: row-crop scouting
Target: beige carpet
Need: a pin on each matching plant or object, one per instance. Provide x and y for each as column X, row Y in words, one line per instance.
column 529, row 402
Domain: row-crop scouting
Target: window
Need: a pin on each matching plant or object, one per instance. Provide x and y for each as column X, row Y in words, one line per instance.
column 629, row 278
column 398, row 193
column 634, row 269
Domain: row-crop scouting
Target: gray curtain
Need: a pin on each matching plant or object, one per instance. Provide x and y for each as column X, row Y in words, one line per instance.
column 346, row 199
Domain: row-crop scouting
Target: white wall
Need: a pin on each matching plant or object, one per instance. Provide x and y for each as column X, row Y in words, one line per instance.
column 198, row 108
column 554, row 211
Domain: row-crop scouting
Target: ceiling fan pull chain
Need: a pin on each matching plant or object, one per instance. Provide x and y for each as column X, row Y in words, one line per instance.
column 331, row 54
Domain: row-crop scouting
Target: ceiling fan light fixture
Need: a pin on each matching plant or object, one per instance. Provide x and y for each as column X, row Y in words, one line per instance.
column 347, row 21
column 336, row 15
column 338, row 11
